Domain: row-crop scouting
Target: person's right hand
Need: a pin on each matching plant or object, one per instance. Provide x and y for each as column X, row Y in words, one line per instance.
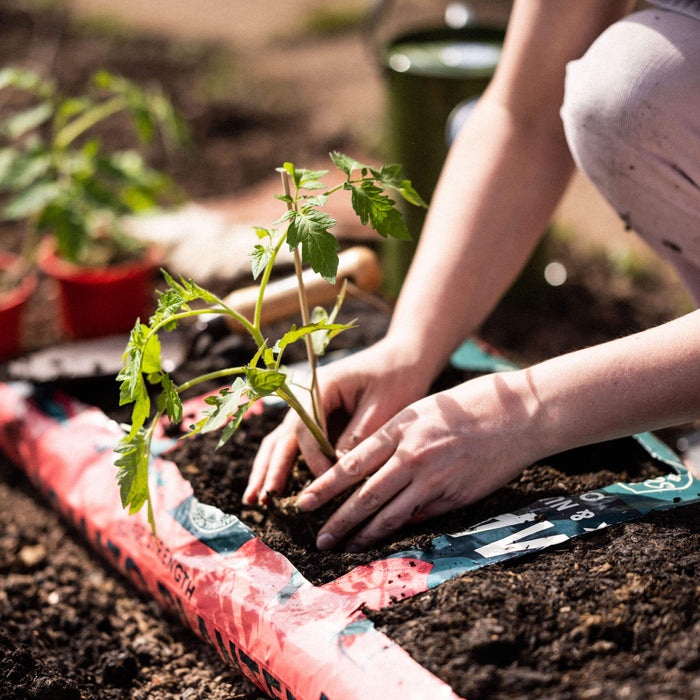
column 370, row 387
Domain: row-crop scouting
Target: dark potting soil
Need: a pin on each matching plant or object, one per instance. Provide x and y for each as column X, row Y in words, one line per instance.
column 219, row 477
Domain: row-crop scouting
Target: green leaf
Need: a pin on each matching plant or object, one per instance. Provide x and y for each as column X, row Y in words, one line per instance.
column 321, row 339
column 69, row 225
column 142, row 406
column 234, row 423
column 346, row 163
column 310, row 179
column 22, row 122
column 26, row 80
column 224, row 405
column 133, row 472
column 263, row 382
column 19, row 170
column 310, row 229
column 392, row 176
column 317, row 201
column 260, row 257
column 371, row 204
column 151, row 362
column 130, row 373
column 170, row 401
column 295, row 334
column 32, row 200
column 8, row 157
column 69, row 108
column 177, row 298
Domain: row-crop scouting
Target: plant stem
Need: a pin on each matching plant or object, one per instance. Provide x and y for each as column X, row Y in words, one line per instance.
column 306, row 319
column 93, row 116
column 286, row 393
column 211, row 375
column 265, row 279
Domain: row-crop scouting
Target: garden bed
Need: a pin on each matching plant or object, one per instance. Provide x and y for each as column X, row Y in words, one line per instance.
column 612, row 614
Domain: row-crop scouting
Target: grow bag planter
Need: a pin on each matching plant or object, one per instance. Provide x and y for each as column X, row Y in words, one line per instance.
column 101, row 300
column 292, row 639
column 12, row 305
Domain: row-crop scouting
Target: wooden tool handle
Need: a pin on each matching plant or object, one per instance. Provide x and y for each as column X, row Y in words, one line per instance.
column 358, row 265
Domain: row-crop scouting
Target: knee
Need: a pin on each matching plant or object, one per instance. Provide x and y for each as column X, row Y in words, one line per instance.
column 629, row 90
column 597, row 102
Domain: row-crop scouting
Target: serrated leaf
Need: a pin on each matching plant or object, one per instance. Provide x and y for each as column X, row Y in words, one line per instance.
column 295, row 334
column 310, row 229
column 170, row 302
column 317, row 201
column 260, row 257
column 373, row 206
column 224, row 405
column 288, row 215
column 132, row 476
column 171, row 400
column 346, row 163
column 151, row 356
column 234, row 423
column 263, row 382
column 310, row 179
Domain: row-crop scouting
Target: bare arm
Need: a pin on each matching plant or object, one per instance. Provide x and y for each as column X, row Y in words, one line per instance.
column 452, row 448
column 502, row 179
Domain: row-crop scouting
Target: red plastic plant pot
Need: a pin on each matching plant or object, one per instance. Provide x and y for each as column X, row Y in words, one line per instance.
column 99, row 301
column 12, row 305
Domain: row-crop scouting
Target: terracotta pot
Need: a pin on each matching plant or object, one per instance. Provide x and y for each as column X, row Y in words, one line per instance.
column 12, row 305
column 99, row 301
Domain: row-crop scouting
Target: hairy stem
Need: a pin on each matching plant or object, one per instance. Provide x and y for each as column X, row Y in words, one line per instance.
column 211, row 375
column 306, row 319
column 285, row 393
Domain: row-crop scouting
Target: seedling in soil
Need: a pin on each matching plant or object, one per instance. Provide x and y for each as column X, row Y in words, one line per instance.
column 307, row 232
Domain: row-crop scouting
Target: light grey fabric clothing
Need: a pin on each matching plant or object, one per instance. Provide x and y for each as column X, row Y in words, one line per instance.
column 631, row 115
column 686, row 7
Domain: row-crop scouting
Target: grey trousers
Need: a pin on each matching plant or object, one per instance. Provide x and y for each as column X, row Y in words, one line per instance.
column 631, row 115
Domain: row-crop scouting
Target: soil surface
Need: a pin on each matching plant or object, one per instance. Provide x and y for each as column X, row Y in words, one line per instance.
column 613, row 615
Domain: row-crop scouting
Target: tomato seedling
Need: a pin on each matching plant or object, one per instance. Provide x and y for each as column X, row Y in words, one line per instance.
column 306, row 230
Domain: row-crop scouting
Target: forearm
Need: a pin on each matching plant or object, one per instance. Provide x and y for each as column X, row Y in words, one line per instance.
column 645, row 381
column 500, row 184
column 498, row 188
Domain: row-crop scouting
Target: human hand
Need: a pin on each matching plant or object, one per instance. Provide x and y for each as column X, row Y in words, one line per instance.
column 442, row 452
column 369, row 387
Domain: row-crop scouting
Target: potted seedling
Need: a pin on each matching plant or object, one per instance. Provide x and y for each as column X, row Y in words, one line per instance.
column 71, row 195
column 306, row 230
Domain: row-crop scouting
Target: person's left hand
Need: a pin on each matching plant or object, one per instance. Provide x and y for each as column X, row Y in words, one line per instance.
column 439, row 453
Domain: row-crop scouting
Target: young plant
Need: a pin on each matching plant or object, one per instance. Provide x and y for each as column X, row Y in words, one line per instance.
column 307, row 232
column 58, row 177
